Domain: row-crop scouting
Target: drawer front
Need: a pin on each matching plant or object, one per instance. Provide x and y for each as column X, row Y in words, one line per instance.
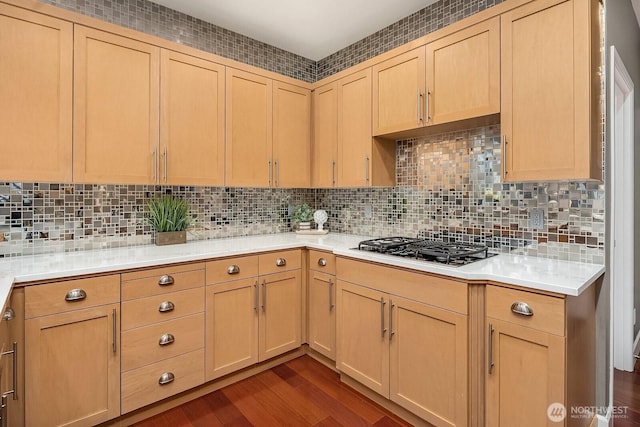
column 161, row 280
column 224, row 270
column 280, row 261
column 322, row 261
column 160, row 308
column 142, row 346
column 142, row 386
column 548, row 313
column 51, row 298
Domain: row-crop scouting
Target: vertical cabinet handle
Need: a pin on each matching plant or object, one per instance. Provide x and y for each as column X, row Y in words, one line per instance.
column 391, row 333
column 504, row 156
column 490, row 363
column 426, row 105
column 155, row 166
column 14, row 378
column 366, row 169
column 419, row 106
column 264, row 296
column 166, row 378
column 281, row 262
column 256, row 297
column 277, row 177
column 75, row 295
column 331, row 305
column 3, row 410
column 383, row 330
column 115, row 332
column 333, row 173
column 270, row 173
column 166, row 162
column 166, row 306
column 166, row 280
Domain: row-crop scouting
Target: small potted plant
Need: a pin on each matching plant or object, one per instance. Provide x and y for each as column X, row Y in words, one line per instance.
column 169, row 217
column 303, row 216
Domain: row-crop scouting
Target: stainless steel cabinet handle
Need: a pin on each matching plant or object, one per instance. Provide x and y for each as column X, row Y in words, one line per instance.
column 166, row 339
column 233, row 269
column 166, row 306
column 270, row 174
column 166, row 156
column 391, row 333
column 490, row 363
column 419, row 106
column 166, row 378
column 426, row 105
column 322, row 262
column 277, row 177
column 155, row 166
column 256, row 297
column 522, row 308
column 504, row 155
column 14, row 380
column 114, row 328
column 281, row 262
column 166, row 280
column 75, row 295
column 366, row 169
column 3, row 410
column 264, row 296
column 331, row 305
column 9, row 314
column 383, row 330
column 333, row 173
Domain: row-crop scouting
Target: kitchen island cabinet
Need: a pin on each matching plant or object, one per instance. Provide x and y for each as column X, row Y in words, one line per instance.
column 72, row 367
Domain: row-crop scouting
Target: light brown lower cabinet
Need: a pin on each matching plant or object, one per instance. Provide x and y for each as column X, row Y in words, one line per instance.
column 322, row 313
column 12, row 360
column 72, row 367
column 412, row 353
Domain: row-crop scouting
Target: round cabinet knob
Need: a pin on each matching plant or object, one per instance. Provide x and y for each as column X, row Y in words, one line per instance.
column 75, row 295
column 322, row 262
column 9, row 314
column 166, row 378
column 233, row 269
column 281, row 262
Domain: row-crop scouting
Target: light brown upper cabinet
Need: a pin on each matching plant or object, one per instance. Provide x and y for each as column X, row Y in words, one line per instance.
column 249, row 130
column 116, row 108
column 291, row 136
column 36, row 64
column 191, row 121
column 362, row 160
column 324, row 152
column 463, row 74
column 398, row 93
column 550, row 115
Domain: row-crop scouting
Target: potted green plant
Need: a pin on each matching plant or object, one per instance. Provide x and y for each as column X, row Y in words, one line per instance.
column 303, row 216
column 169, row 217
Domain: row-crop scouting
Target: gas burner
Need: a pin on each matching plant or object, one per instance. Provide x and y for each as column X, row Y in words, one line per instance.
column 385, row 244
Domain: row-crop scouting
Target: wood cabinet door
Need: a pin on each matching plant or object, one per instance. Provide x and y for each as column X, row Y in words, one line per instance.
column 322, row 313
column 72, row 368
column 231, row 327
column 248, row 142
column 191, row 120
column 362, row 349
column 291, row 136
column 280, row 314
column 545, row 89
column 463, row 71
column 354, row 130
column 116, row 108
column 36, row 65
column 399, row 93
column 528, row 374
column 324, row 151
column 9, row 362
column 428, row 361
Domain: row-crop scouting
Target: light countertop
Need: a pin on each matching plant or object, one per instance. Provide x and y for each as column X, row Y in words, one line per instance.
column 564, row 277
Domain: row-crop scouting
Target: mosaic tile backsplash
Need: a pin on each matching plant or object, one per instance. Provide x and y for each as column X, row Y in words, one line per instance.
column 448, row 187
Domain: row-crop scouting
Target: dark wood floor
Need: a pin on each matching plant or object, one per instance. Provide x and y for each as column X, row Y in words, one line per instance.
column 626, row 393
column 301, row 392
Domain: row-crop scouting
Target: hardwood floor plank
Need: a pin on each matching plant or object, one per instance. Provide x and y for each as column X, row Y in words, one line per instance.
column 287, row 374
column 200, row 414
column 223, row 409
column 246, row 402
column 172, row 418
column 328, row 422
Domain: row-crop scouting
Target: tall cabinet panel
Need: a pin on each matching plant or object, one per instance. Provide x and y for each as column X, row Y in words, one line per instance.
column 116, row 108
column 291, row 135
column 248, row 130
column 36, row 60
column 192, row 120
column 548, row 56
column 324, row 152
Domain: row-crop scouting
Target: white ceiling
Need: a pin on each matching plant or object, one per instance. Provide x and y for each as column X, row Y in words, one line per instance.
column 311, row 28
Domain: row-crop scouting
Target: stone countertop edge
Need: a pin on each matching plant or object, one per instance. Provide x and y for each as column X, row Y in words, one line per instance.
column 557, row 276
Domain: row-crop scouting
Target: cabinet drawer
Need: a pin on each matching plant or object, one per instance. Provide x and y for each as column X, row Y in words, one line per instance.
column 280, row 261
column 142, row 386
column 42, row 300
column 548, row 312
column 160, row 280
column 228, row 269
column 322, row 261
column 142, row 346
column 160, row 308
